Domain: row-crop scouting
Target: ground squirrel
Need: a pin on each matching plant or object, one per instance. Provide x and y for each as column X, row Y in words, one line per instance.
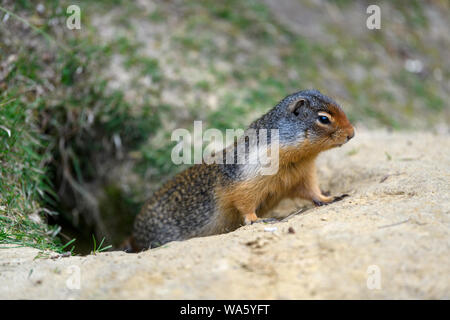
column 208, row 199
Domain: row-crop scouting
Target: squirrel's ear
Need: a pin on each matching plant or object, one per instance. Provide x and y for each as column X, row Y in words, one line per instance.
column 296, row 106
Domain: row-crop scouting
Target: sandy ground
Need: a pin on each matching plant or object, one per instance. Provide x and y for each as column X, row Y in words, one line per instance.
column 389, row 239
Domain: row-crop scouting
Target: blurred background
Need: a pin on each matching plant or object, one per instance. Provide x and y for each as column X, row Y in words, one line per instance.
column 86, row 115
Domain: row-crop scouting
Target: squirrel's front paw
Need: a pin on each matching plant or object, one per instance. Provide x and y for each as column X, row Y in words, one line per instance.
column 319, row 203
column 339, row 198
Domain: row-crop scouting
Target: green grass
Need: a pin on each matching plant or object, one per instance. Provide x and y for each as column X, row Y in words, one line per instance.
column 100, row 247
column 23, row 180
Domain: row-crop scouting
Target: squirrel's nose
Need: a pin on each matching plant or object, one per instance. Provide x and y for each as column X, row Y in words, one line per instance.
column 351, row 135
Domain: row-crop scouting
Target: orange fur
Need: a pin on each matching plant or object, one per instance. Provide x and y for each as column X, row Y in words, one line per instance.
column 341, row 119
column 296, row 177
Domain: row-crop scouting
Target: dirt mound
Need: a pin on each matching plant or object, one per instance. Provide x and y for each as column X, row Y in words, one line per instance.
column 389, row 239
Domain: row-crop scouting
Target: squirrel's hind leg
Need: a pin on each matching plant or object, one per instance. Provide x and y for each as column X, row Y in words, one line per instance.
column 244, row 200
column 248, row 212
column 249, row 218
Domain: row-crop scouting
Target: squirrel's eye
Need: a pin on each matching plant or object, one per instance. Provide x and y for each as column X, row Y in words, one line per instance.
column 324, row 120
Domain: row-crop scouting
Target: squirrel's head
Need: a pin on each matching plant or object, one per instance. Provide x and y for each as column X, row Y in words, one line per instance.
column 313, row 116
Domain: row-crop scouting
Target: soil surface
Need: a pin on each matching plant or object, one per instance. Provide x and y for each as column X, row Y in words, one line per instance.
column 389, row 239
